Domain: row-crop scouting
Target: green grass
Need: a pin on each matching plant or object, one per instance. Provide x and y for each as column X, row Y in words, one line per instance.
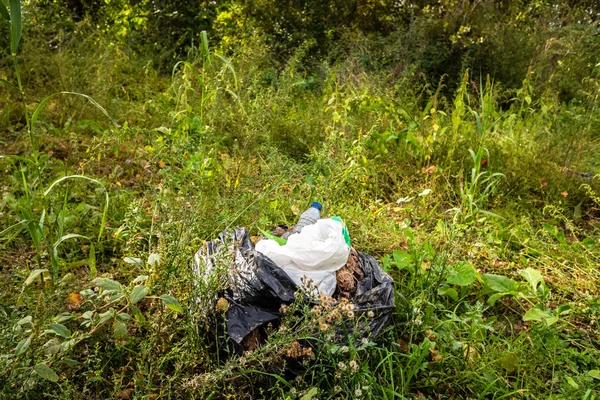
column 461, row 201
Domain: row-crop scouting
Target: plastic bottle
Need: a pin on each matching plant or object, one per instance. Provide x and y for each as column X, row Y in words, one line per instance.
column 308, row 217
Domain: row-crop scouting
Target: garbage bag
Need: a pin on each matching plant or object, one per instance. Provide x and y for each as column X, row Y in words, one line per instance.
column 258, row 287
column 316, row 252
column 375, row 292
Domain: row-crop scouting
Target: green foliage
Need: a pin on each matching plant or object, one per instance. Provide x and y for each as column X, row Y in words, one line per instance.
column 371, row 110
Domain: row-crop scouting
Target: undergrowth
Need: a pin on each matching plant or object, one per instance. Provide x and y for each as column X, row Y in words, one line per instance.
column 486, row 216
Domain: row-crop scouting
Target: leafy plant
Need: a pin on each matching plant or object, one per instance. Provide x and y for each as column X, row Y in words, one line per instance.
column 113, row 308
column 476, row 191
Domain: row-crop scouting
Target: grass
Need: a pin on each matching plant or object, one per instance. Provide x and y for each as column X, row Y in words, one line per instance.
column 478, row 212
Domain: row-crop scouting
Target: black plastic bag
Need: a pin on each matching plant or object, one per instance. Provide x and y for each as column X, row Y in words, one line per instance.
column 258, row 287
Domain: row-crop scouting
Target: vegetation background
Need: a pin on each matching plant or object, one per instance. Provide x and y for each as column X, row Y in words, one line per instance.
column 458, row 139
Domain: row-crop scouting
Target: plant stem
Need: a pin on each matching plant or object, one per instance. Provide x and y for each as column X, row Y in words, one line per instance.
column 20, row 86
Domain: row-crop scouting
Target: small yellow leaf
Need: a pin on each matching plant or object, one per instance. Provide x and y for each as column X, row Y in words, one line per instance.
column 74, row 301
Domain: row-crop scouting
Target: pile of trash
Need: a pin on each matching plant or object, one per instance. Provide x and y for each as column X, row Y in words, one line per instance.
column 265, row 276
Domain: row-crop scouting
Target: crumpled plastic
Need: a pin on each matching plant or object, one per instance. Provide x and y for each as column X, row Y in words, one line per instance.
column 315, row 253
column 258, row 287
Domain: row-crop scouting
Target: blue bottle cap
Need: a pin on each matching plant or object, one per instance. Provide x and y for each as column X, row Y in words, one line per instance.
column 317, row 205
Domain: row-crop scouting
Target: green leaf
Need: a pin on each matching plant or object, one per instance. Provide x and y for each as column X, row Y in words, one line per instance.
column 310, row 394
column 536, row 314
column 594, row 374
column 133, row 260
column 153, row 259
column 172, row 303
column 46, row 372
column 533, row 276
column 61, row 330
column 34, row 274
column 16, row 26
column 105, row 316
column 23, row 345
column 119, row 330
column 402, row 259
column 448, row 291
column 552, row 230
column 124, row 316
column 137, row 314
column 140, row 278
column 494, row 298
column 572, row 382
column 463, row 274
column 138, row 293
column 27, row 319
column 500, row 283
column 280, row 241
column 52, row 346
column 4, row 11
column 563, row 309
column 92, row 261
column 108, row 285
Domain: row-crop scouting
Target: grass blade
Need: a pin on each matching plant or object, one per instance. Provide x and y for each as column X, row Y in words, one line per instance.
column 205, row 51
column 43, row 103
column 16, row 26
column 107, row 198
column 4, row 11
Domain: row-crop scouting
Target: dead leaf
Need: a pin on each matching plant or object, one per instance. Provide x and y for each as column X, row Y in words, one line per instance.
column 435, row 355
column 403, row 345
column 565, row 193
column 222, row 305
column 74, row 301
column 543, row 182
column 429, row 170
column 124, row 395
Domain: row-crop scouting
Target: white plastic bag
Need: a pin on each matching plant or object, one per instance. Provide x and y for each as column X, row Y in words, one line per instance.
column 316, row 252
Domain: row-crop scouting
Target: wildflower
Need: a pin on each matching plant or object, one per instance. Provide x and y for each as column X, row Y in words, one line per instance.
column 308, row 352
column 417, row 322
column 344, row 349
column 350, row 314
column 323, row 326
column 337, row 388
column 341, row 366
column 295, row 350
column 370, row 314
column 364, row 340
column 358, row 392
column 293, row 390
column 353, row 365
